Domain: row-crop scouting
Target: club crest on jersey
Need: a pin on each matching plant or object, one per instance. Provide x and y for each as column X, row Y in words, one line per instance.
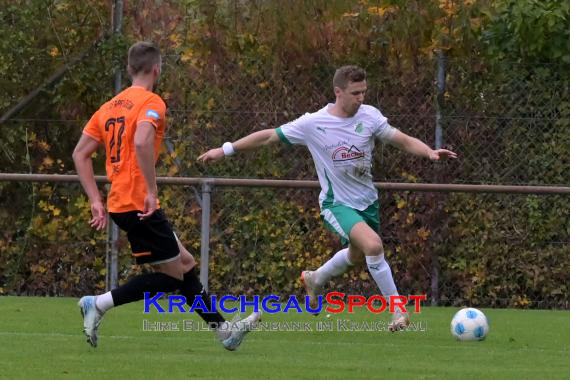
column 153, row 114
column 359, row 128
column 346, row 154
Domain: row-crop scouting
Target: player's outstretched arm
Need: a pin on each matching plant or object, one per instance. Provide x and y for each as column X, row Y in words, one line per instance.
column 414, row 146
column 249, row 142
column 84, row 166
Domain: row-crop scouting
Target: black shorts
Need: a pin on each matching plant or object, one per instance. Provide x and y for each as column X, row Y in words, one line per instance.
column 152, row 240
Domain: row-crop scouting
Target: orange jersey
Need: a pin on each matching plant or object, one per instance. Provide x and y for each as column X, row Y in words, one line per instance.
column 114, row 125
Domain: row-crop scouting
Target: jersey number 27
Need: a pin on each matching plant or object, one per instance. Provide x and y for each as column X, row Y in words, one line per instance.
column 116, row 137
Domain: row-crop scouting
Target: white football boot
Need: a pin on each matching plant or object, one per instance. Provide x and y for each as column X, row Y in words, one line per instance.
column 239, row 329
column 313, row 290
column 91, row 318
column 399, row 322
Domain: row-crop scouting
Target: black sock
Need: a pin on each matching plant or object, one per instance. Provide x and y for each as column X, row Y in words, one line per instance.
column 193, row 287
column 147, row 283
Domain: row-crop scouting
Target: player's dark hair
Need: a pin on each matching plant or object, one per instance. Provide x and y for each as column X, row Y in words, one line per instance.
column 142, row 57
column 346, row 74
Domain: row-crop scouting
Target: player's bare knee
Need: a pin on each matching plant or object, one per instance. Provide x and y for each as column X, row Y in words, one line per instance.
column 373, row 249
column 188, row 262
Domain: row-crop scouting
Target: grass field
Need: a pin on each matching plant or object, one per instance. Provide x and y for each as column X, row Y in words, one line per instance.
column 41, row 338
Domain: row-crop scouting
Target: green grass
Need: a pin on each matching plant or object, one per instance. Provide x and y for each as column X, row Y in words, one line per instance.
column 42, row 338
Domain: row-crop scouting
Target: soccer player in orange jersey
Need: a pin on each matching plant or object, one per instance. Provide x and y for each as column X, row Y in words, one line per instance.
column 131, row 127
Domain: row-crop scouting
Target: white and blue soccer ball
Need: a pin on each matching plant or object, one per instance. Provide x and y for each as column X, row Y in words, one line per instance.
column 469, row 324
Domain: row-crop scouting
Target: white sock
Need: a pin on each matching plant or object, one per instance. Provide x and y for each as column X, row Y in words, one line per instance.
column 381, row 273
column 104, row 302
column 337, row 265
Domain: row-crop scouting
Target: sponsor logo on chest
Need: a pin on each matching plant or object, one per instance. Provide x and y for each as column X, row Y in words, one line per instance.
column 347, row 154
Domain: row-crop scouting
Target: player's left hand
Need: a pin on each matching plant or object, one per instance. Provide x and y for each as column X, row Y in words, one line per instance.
column 212, row 155
column 150, row 206
column 99, row 216
column 438, row 154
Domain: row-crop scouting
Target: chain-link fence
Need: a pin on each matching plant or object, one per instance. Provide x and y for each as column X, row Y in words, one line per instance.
column 509, row 128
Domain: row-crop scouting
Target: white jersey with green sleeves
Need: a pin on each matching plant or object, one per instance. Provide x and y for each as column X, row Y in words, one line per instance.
column 342, row 151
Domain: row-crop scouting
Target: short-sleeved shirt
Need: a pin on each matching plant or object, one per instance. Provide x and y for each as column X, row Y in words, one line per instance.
column 342, row 152
column 114, row 125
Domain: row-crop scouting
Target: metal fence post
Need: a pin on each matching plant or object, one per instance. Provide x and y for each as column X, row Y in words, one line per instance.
column 114, row 262
column 440, row 98
column 112, row 254
column 112, row 276
column 205, row 234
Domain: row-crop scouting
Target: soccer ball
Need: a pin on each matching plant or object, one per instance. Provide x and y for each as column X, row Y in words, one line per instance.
column 469, row 324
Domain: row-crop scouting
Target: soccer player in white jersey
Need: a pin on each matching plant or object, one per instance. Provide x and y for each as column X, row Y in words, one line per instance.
column 341, row 138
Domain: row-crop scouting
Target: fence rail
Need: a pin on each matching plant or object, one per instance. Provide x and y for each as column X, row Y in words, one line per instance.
column 251, row 182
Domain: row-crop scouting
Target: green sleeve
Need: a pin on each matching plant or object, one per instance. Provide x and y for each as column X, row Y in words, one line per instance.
column 282, row 136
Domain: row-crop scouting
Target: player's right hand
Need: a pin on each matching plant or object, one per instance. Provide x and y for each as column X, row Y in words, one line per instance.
column 99, row 216
column 213, row 155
